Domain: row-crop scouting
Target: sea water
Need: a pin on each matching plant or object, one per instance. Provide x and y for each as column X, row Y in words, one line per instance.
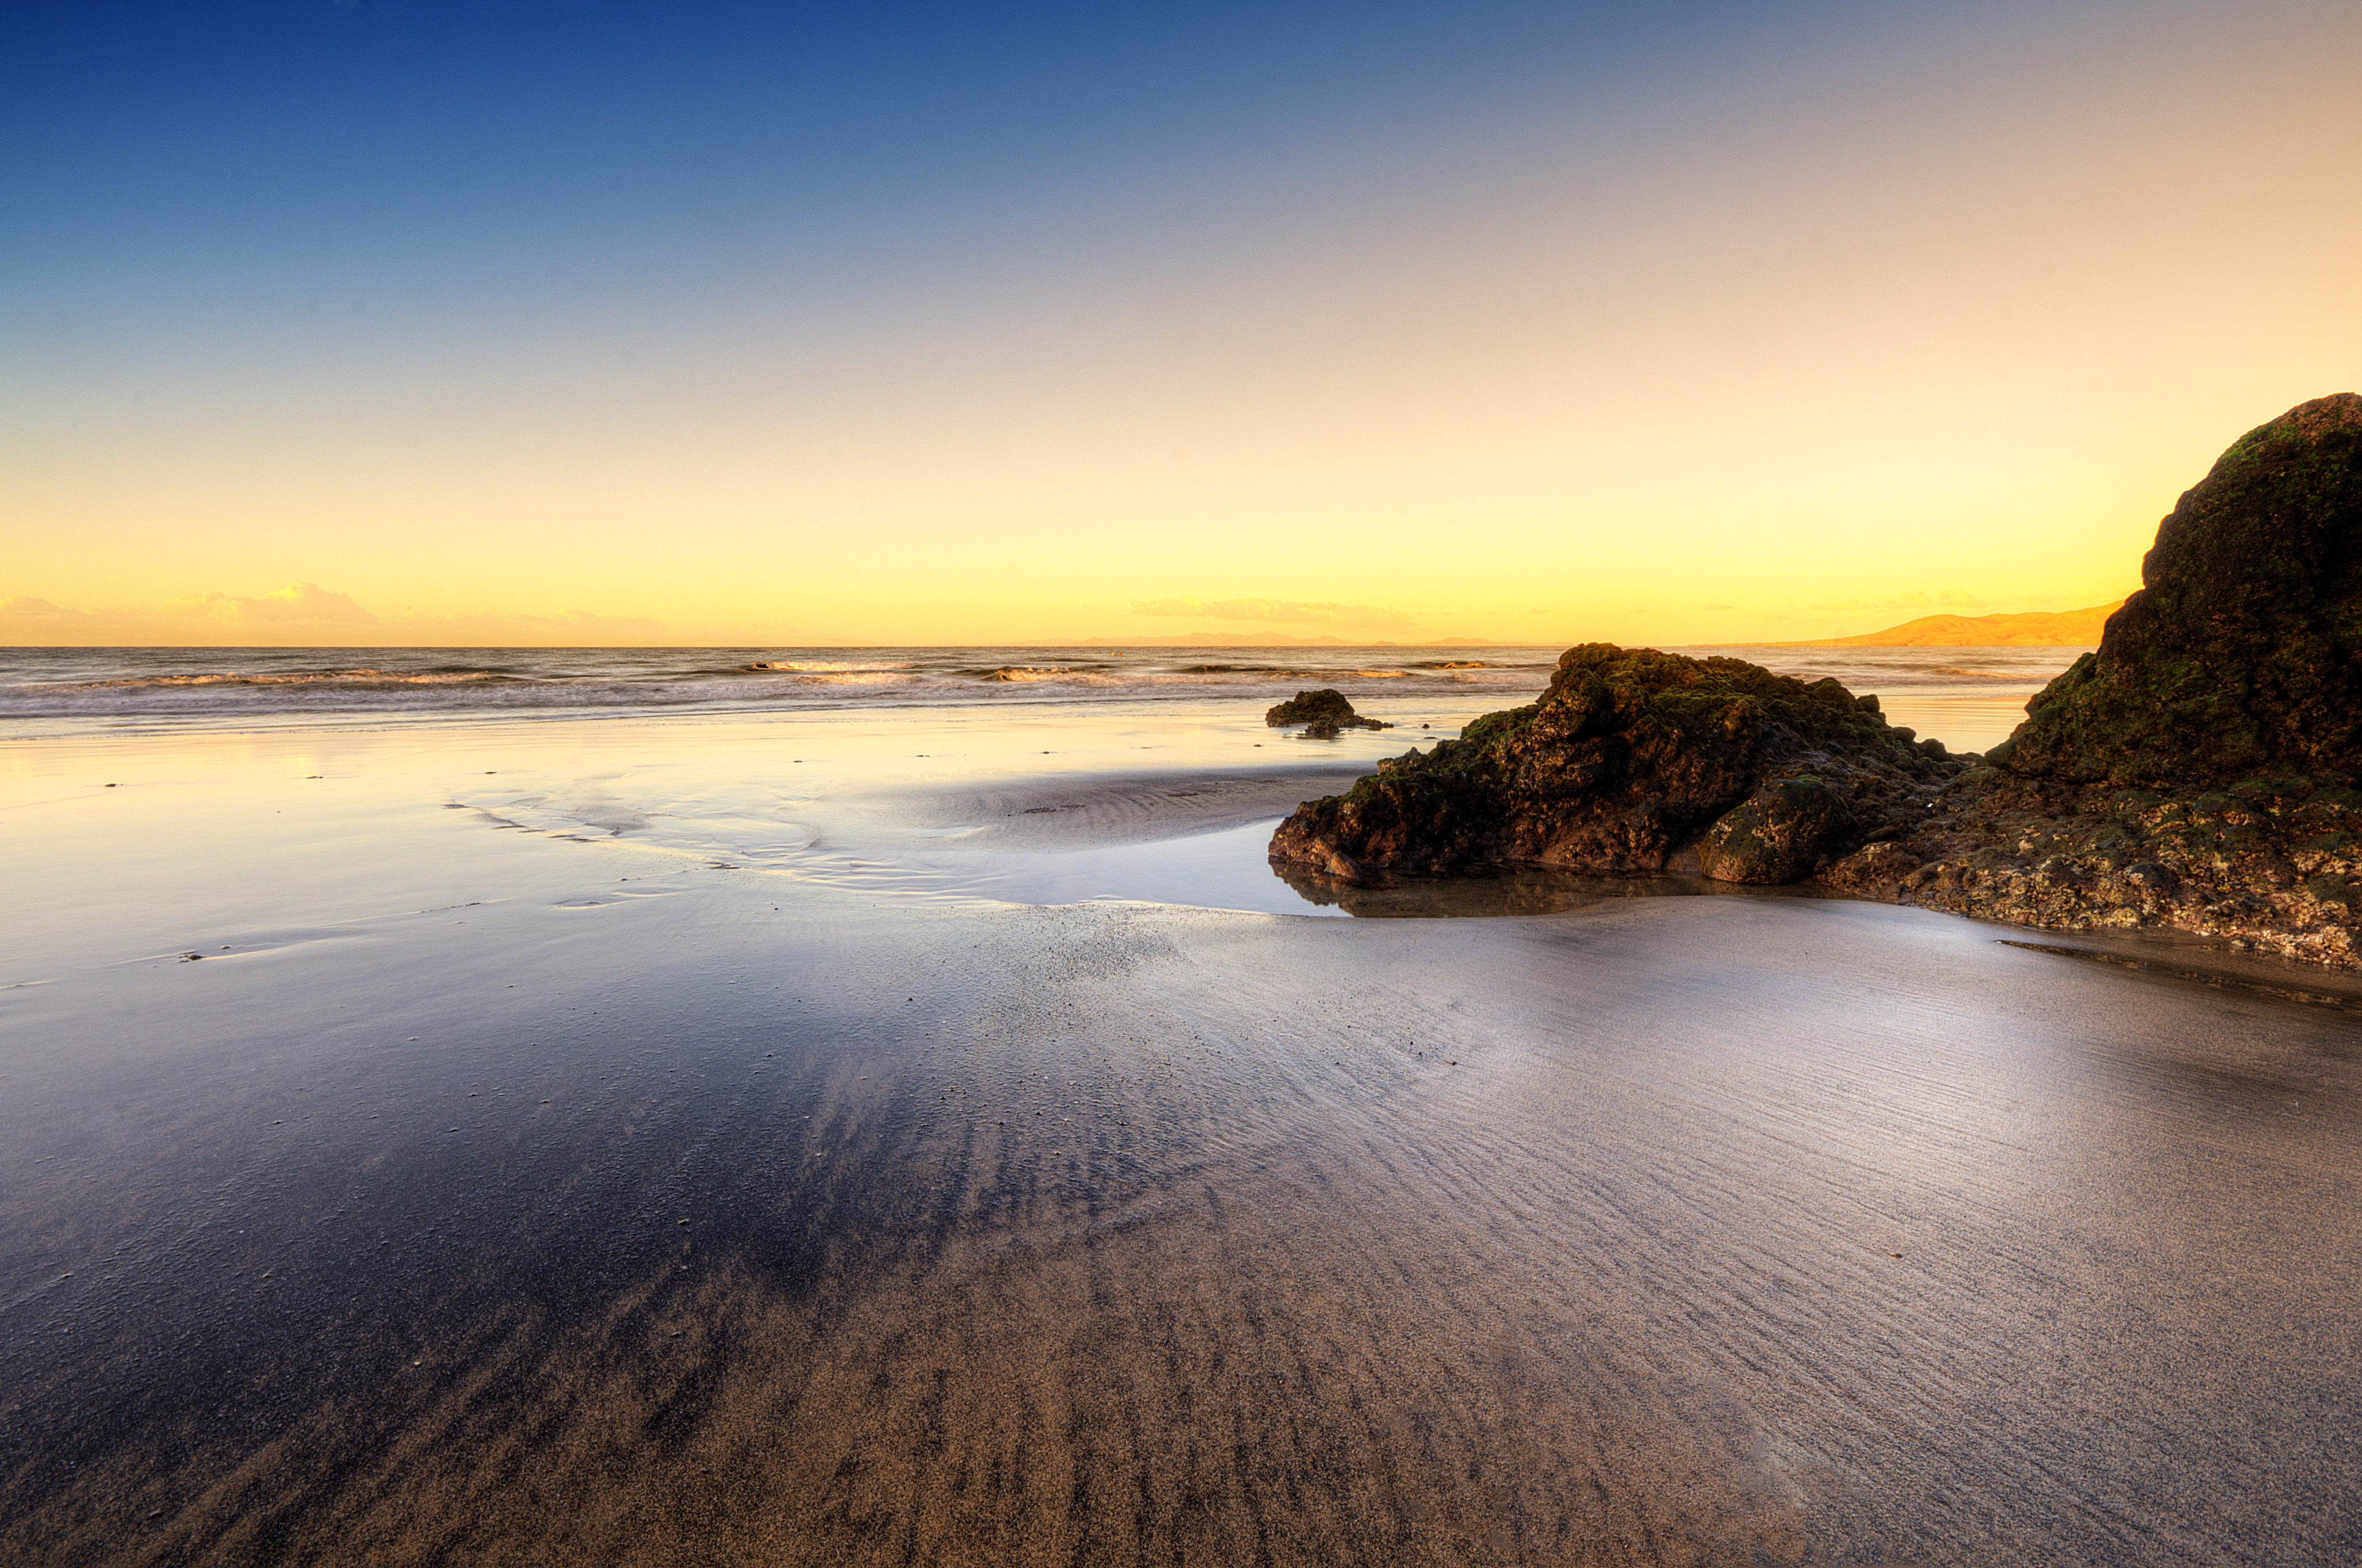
column 906, row 771
column 1969, row 698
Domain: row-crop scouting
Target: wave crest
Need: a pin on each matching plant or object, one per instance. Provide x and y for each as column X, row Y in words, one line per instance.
column 1030, row 672
column 358, row 678
column 825, row 667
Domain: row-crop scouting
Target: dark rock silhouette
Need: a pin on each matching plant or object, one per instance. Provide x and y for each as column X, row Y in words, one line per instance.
column 1623, row 764
column 2242, row 653
column 1322, row 713
column 1781, row 833
column 2198, row 773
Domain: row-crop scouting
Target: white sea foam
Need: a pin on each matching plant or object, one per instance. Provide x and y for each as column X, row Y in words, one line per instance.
column 57, row 691
column 1031, row 674
column 345, row 678
column 827, row 667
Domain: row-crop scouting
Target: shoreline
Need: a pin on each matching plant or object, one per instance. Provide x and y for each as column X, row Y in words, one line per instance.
column 1110, row 807
column 508, row 1196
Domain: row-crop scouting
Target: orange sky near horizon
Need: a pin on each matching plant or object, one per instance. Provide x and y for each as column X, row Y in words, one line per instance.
column 1793, row 343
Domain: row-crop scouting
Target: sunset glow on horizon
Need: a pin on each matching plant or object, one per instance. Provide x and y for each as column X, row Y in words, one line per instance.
column 399, row 323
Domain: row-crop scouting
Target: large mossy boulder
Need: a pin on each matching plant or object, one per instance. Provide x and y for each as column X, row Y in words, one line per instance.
column 2242, row 652
column 1781, row 833
column 2198, row 772
column 1628, row 759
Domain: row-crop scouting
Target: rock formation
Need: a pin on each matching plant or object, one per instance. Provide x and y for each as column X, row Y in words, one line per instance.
column 2198, row 772
column 1783, row 832
column 2268, row 864
column 2201, row 772
column 2242, row 652
column 1625, row 763
column 1322, row 713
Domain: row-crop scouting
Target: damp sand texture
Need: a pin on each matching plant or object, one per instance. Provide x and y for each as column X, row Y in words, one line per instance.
column 604, row 1214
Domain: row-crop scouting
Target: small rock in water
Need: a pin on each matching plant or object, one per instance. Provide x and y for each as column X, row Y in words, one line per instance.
column 1322, row 713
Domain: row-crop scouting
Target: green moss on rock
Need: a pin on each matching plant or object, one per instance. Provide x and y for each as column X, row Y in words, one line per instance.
column 1625, row 761
column 1326, row 711
column 1781, row 833
column 2242, row 653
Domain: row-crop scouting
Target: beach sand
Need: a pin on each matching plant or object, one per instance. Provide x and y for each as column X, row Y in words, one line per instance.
column 760, row 1185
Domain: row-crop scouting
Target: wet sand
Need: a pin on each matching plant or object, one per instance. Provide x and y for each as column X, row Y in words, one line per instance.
column 486, row 1196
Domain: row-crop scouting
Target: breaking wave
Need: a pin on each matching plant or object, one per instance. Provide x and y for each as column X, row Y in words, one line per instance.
column 51, row 691
column 338, row 678
column 825, row 667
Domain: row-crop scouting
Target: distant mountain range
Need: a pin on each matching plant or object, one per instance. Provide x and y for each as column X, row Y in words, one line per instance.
column 2035, row 628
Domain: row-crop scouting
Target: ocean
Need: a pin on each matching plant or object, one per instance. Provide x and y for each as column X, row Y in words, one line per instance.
column 998, row 774
column 1968, row 698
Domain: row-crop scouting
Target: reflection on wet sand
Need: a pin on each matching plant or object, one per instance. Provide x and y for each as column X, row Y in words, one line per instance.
column 1500, row 889
column 743, row 1225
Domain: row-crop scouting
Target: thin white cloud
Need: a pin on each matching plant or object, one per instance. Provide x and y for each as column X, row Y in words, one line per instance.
column 1300, row 612
column 1948, row 599
column 303, row 615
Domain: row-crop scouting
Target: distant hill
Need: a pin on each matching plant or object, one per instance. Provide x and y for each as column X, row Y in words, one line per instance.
column 2035, row 628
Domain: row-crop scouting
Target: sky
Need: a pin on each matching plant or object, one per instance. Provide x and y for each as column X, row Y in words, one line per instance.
column 407, row 321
